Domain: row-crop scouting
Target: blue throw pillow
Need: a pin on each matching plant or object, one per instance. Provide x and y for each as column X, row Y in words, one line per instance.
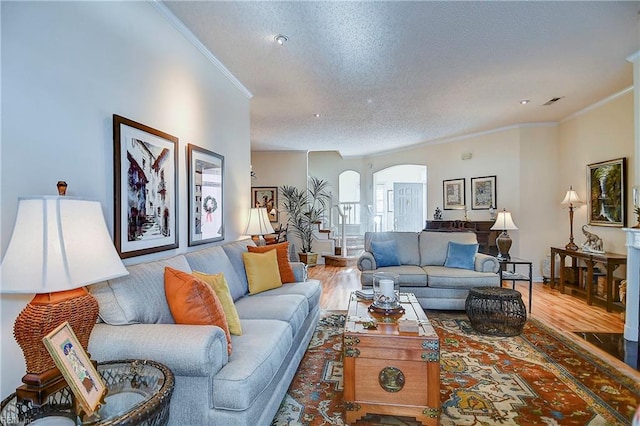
column 385, row 253
column 461, row 256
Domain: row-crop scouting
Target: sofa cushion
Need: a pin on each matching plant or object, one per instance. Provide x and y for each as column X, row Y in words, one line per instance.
column 194, row 302
column 213, row 260
column 234, row 252
column 138, row 298
column 311, row 289
column 385, row 253
column 219, row 284
column 282, row 250
column 407, row 243
column 443, row 277
column 257, row 356
column 290, row 308
column 434, row 245
column 410, row 275
column 262, row 271
column 461, row 255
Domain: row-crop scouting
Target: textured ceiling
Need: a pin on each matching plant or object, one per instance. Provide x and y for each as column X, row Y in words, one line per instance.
column 387, row 75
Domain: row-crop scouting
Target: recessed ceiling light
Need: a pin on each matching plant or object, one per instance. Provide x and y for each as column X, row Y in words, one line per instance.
column 281, row 39
column 317, row 115
column 525, row 101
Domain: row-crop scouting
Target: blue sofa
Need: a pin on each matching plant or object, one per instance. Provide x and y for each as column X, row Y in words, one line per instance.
column 211, row 387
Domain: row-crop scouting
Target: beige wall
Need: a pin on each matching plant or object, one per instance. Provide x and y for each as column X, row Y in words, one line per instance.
column 534, row 165
column 602, row 133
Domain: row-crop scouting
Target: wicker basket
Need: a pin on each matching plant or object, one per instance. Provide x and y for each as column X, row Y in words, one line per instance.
column 496, row 311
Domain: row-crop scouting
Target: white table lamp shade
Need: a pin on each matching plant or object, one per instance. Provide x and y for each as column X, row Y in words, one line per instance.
column 258, row 222
column 58, row 243
column 504, row 222
column 571, row 198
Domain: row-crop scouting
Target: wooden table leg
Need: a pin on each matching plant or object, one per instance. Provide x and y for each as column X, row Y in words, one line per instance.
column 589, row 283
column 561, row 274
column 609, row 289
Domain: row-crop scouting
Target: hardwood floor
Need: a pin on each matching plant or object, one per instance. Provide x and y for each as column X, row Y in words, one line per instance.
column 560, row 311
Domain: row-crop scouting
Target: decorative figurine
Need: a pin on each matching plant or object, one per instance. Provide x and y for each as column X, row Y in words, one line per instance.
column 438, row 214
column 593, row 243
column 492, row 213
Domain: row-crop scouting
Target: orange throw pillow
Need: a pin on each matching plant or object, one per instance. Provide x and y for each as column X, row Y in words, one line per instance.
column 282, row 252
column 193, row 302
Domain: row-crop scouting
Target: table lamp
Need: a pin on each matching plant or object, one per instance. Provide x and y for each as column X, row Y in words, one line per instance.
column 571, row 200
column 258, row 225
column 59, row 245
column 504, row 223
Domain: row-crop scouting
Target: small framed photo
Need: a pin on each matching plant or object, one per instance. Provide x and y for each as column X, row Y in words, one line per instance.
column 606, row 183
column 267, row 197
column 206, row 189
column 453, row 194
column 76, row 367
column 483, row 193
column 146, row 188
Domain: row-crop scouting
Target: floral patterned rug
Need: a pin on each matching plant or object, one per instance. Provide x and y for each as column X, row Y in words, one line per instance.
column 537, row 378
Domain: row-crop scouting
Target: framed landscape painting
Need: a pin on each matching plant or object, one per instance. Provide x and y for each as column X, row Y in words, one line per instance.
column 606, row 183
column 453, row 194
column 206, row 185
column 145, row 188
column 483, row 192
column 267, row 197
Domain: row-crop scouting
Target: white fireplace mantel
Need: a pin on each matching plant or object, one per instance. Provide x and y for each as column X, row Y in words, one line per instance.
column 633, row 284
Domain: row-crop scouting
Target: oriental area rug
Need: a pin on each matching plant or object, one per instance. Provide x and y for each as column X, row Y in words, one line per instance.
column 537, row 378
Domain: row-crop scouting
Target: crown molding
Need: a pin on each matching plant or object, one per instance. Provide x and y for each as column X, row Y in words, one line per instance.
column 186, row 32
column 597, row 104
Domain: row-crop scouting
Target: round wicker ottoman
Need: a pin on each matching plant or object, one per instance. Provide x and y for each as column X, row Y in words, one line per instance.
column 496, row 311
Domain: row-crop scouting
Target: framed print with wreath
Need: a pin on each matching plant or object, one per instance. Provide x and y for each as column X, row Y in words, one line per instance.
column 76, row 368
column 145, row 188
column 206, row 189
column 483, row 193
column 606, row 183
column 453, row 194
column 267, row 197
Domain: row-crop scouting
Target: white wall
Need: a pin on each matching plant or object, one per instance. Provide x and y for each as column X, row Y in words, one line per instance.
column 66, row 68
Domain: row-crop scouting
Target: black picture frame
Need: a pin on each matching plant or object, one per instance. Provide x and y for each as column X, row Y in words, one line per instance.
column 483, row 192
column 145, row 188
column 206, row 195
column 453, row 194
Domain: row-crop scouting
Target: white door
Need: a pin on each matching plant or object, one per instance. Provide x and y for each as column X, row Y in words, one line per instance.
column 408, row 206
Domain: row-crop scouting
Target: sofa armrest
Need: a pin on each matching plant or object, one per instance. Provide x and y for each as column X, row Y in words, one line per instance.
column 299, row 271
column 366, row 262
column 188, row 350
column 486, row 263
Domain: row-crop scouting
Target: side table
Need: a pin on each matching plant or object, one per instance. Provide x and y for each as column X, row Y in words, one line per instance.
column 513, row 276
column 139, row 394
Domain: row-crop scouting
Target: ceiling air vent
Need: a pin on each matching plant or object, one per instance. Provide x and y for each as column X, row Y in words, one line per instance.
column 552, row 101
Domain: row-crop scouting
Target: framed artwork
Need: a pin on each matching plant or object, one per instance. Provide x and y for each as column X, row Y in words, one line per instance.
column 76, row 367
column 483, row 193
column 606, row 183
column 146, row 188
column 453, row 194
column 390, row 200
column 266, row 196
column 206, row 189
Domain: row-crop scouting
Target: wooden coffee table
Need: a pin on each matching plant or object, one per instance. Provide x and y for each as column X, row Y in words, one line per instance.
column 394, row 368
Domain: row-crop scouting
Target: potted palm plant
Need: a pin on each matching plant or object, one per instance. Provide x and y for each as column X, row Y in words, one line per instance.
column 305, row 209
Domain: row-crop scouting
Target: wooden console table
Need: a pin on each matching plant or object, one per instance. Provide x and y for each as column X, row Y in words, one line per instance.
column 482, row 228
column 611, row 262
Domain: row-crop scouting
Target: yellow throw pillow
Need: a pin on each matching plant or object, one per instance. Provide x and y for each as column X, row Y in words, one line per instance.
column 262, row 271
column 219, row 284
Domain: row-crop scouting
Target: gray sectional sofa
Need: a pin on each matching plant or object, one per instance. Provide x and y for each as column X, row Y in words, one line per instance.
column 211, row 387
column 422, row 258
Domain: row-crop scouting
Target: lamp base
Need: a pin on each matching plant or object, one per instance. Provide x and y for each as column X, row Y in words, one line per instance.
column 504, row 244
column 41, row 316
column 571, row 246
